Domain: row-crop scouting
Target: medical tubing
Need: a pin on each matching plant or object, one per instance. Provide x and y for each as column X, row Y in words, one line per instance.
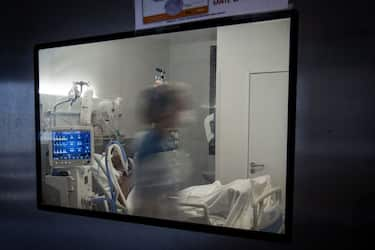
column 122, row 150
column 55, row 109
column 124, row 155
column 124, row 160
column 116, row 184
column 108, row 197
column 112, row 189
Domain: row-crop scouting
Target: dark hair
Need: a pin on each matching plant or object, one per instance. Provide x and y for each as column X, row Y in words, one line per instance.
column 154, row 102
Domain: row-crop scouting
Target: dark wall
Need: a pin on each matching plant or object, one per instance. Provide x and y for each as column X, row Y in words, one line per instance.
column 335, row 137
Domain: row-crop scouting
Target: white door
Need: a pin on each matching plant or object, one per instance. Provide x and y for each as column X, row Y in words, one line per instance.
column 268, row 123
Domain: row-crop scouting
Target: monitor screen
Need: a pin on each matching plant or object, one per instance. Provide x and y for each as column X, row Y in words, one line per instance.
column 71, row 145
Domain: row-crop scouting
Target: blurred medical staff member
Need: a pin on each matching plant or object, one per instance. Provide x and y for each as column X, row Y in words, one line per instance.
column 158, row 174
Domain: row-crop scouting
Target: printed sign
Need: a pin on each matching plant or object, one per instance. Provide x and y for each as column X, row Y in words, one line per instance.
column 155, row 13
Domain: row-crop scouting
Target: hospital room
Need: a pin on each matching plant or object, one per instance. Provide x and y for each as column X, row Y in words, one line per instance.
column 185, row 126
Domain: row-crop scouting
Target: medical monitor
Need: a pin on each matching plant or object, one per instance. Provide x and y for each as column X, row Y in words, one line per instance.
column 71, row 146
column 202, row 113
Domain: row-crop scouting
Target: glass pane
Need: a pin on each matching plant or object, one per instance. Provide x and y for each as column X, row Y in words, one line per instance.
column 188, row 126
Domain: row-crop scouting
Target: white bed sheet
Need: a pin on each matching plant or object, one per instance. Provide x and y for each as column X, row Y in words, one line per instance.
column 230, row 205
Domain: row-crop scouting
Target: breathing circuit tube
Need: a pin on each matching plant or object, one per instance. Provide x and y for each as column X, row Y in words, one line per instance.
column 111, row 186
column 124, row 157
column 115, row 191
column 114, row 186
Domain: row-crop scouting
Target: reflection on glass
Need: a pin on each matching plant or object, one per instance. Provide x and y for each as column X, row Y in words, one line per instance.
column 188, row 126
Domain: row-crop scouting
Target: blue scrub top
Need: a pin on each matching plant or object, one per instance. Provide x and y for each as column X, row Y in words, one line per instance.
column 153, row 143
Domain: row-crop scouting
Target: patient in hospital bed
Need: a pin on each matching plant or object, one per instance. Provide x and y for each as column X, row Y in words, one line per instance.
column 244, row 203
column 121, row 177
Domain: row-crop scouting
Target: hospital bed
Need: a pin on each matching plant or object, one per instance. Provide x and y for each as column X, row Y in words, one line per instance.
column 251, row 204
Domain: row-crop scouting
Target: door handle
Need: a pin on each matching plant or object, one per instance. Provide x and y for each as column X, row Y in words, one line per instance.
column 254, row 167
